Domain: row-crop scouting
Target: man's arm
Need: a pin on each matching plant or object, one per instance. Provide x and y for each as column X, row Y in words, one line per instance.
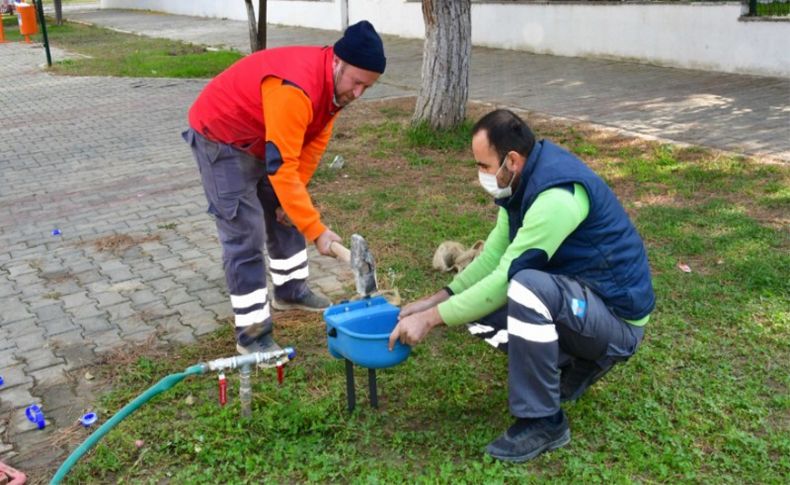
column 485, row 262
column 482, row 265
column 288, row 111
column 554, row 215
column 312, row 153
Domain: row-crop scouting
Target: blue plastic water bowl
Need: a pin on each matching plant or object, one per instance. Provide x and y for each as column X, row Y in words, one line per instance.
column 359, row 331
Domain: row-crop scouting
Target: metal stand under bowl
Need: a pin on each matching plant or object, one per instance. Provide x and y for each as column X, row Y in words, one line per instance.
column 351, row 391
column 358, row 332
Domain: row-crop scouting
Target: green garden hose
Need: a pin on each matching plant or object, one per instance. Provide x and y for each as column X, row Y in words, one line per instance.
column 164, row 384
column 256, row 358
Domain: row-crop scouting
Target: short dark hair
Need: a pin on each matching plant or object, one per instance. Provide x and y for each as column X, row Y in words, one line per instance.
column 506, row 132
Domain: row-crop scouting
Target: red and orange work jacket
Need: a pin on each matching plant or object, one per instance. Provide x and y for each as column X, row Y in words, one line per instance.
column 278, row 105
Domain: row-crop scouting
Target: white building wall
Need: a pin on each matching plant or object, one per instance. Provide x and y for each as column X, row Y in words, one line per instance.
column 394, row 17
column 317, row 14
column 692, row 35
column 697, row 35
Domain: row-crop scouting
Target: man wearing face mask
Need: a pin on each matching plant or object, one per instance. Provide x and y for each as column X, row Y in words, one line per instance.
column 562, row 286
column 258, row 131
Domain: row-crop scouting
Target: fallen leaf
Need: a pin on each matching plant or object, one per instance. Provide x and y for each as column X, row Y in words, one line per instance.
column 684, row 268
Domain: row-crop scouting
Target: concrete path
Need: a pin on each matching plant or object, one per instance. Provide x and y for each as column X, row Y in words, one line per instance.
column 744, row 114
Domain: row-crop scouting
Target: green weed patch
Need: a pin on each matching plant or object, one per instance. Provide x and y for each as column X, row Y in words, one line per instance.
column 103, row 52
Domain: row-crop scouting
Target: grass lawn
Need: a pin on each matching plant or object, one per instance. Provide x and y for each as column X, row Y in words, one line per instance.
column 103, row 52
column 705, row 400
column 779, row 9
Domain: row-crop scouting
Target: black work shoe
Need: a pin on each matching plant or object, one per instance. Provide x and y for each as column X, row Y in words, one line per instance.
column 525, row 440
column 578, row 376
column 310, row 302
column 264, row 343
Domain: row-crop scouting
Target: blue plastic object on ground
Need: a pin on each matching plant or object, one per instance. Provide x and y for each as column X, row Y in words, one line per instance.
column 88, row 419
column 56, row 232
column 35, row 416
column 359, row 331
column 1, row 380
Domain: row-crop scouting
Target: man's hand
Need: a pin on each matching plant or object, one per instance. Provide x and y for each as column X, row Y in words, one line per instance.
column 325, row 240
column 424, row 304
column 412, row 329
column 282, row 217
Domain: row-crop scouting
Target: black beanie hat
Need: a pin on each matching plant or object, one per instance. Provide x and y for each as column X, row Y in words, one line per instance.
column 361, row 47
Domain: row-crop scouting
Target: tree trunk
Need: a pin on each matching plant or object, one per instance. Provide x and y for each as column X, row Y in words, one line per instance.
column 252, row 26
column 261, row 24
column 343, row 15
column 58, row 12
column 445, row 63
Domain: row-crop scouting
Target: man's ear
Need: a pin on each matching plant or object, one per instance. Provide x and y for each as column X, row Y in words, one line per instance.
column 515, row 161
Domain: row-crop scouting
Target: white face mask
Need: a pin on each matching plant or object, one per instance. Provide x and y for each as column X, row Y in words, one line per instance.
column 491, row 186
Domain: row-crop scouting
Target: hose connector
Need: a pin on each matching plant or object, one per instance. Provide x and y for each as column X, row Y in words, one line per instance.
column 255, row 358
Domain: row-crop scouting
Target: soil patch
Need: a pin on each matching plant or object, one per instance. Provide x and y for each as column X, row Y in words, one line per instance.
column 117, row 244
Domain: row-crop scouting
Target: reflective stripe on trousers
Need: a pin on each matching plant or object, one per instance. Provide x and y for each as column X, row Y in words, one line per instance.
column 548, row 320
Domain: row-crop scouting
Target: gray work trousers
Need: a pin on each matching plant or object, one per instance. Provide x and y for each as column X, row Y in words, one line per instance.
column 243, row 203
column 548, row 321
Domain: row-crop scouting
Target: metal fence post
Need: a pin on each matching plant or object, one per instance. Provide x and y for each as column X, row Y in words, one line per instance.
column 43, row 23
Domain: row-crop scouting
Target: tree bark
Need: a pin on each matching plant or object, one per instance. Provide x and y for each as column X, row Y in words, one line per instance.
column 445, row 63
column 58, row 12
column 252, row 25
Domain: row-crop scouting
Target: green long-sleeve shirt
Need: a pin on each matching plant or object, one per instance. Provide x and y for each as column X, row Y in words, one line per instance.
column 481, row 287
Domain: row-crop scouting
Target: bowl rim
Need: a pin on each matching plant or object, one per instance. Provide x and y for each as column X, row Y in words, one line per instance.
column 364, row 336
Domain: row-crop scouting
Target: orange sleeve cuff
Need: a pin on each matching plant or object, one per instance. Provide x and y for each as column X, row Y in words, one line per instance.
column 312, row 232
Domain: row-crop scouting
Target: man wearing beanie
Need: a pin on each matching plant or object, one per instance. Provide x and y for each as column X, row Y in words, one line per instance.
column 258, row 131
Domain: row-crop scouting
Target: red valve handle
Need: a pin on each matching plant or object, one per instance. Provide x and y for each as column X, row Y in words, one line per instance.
column 223, row 390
